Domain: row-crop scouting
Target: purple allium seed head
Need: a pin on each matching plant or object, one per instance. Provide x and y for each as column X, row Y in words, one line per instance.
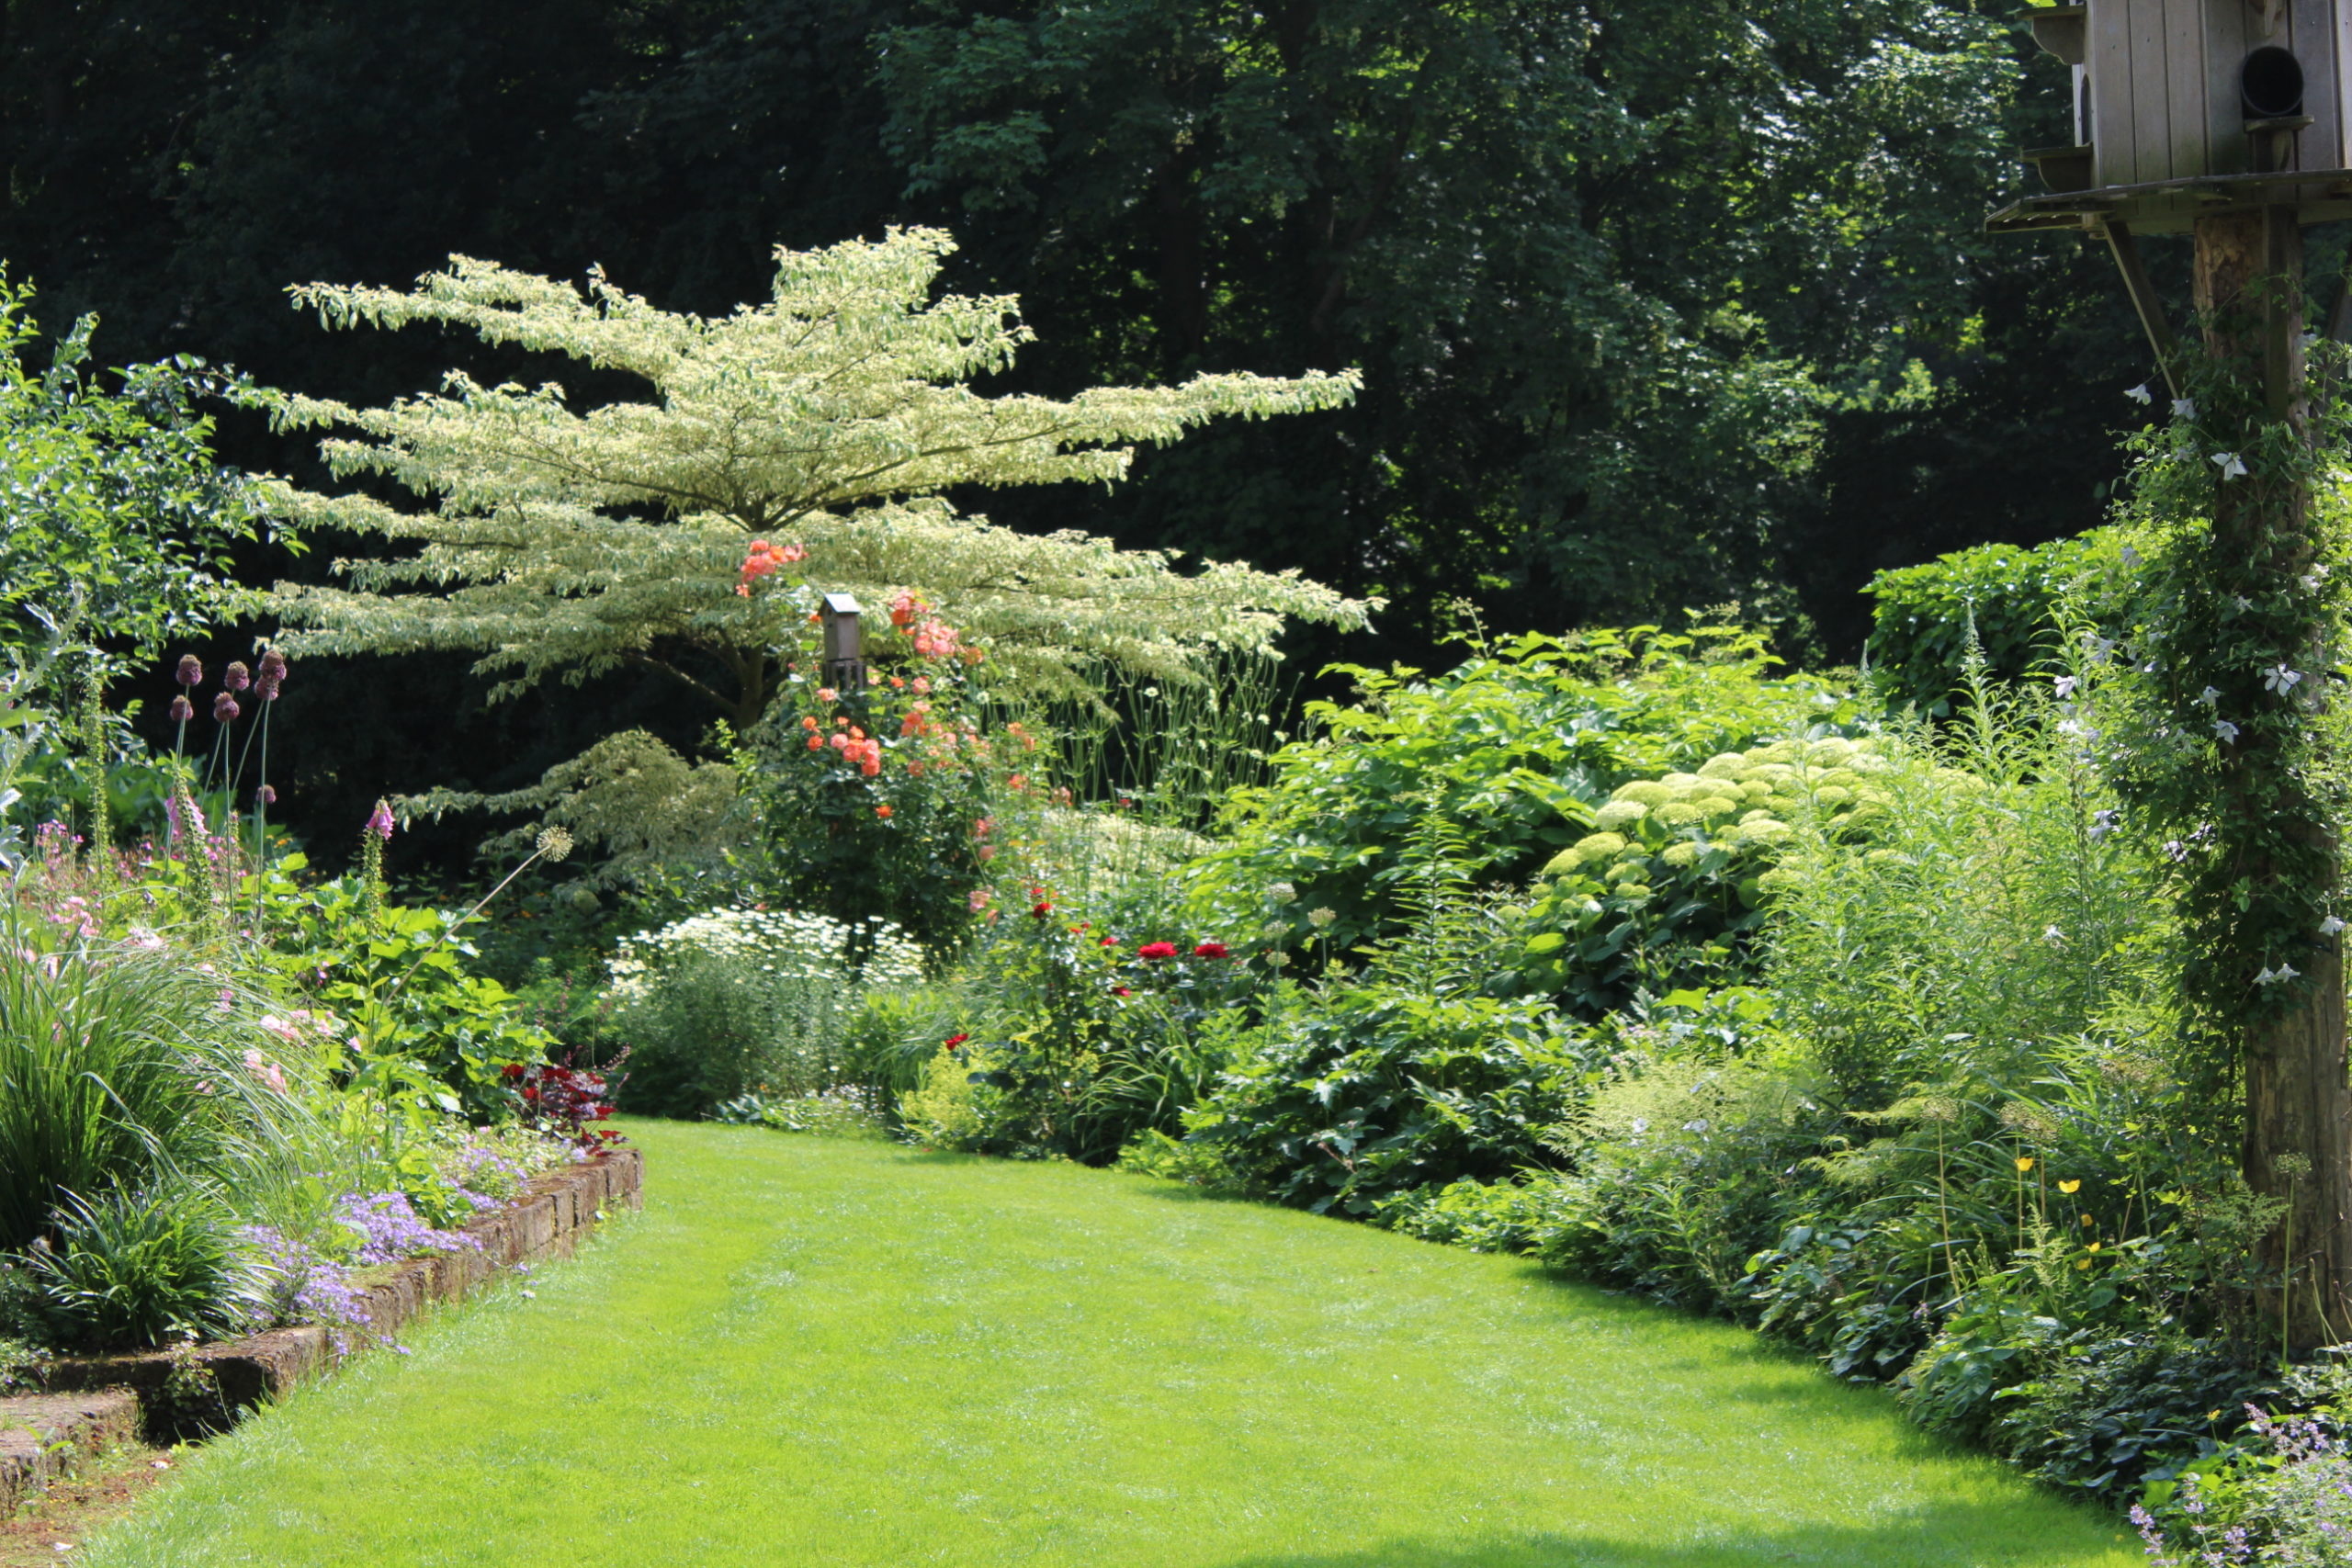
column 224, row 709
column 237, row 677
column 182, row 709
column 381, row 822
column 191, row 671
column 267, row 796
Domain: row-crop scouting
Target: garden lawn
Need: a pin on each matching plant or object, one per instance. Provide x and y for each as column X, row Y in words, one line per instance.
column 810, row 1352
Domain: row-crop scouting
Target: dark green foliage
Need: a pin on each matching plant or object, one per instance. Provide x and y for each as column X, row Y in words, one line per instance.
column 1919, row 636
column 1361, row 1092
column 2108, row 1416
column 135, row 1267
column 114, row 518
column 1583, row 256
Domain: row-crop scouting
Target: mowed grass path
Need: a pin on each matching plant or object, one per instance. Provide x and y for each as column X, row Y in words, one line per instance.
column 811, row 1353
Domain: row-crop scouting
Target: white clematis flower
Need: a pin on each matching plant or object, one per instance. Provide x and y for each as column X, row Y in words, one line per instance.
column 2233, row 467
column 2141, row 395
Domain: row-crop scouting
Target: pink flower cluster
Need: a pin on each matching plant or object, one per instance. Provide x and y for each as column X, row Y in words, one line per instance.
column 764, row 558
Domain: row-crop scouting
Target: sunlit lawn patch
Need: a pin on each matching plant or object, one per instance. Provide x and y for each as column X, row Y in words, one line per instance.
column 814, row 1352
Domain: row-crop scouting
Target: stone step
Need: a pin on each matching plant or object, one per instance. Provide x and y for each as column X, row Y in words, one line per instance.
column 44, row 1436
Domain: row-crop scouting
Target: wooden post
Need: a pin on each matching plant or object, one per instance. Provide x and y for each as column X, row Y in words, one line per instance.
column 2298, row 1100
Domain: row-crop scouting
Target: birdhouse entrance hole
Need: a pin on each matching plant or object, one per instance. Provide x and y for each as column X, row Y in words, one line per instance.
column 2272, row 86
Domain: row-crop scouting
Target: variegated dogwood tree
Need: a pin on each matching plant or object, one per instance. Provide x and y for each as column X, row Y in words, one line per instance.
column 554, row 537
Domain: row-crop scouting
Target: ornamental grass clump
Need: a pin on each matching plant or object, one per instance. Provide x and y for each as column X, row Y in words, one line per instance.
column 124, row 1066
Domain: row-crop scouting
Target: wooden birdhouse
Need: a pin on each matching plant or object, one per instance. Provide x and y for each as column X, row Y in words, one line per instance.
column 2185, row 110
column 2182, row 104
column 844, row 645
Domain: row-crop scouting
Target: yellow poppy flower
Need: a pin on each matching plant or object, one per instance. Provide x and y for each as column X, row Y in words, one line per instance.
column 2070, row 1188
column 2025, row 1163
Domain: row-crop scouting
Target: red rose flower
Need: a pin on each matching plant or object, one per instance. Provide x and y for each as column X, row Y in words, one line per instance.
column 1156, row 950
column 515, row 1069
column 1041, row 912
column 1121, row 991
column 1209, row 950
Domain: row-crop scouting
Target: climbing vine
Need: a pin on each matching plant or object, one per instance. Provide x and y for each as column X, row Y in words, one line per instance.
column 2219, row 703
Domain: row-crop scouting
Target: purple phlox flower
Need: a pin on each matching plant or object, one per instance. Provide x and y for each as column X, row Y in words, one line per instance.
column 388, row 1228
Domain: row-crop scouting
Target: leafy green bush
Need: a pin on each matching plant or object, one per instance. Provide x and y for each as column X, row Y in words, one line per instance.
column 1078, row 1038
column 2105, row 1415
column 398, row 973
column 736, row 1001
column 893, row 1032
column 1514, row 748
column 2007, row 598
column 1670, row 888
column 1684, row 1169
column 1357, row 1092
column 130, row 1267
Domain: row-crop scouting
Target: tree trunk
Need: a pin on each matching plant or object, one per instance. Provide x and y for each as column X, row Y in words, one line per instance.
column 2297, row 1098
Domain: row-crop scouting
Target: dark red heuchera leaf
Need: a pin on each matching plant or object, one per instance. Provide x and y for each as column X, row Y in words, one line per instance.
column 559, row 1098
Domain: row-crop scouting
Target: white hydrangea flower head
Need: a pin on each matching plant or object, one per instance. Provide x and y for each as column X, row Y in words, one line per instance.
column 1618, row 815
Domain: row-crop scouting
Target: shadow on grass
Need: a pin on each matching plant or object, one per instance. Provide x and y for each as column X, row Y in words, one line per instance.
column 1947, row 1537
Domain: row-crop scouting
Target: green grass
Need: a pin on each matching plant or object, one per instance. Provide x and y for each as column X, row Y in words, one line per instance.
column 811, row 1352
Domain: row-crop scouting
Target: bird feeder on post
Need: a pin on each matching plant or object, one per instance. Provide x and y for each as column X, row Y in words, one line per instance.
column 2188, row 110
column 845, row 661
column 2230, row 121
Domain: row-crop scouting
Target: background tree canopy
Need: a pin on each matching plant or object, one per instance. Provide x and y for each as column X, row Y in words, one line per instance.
column 1659, row 302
